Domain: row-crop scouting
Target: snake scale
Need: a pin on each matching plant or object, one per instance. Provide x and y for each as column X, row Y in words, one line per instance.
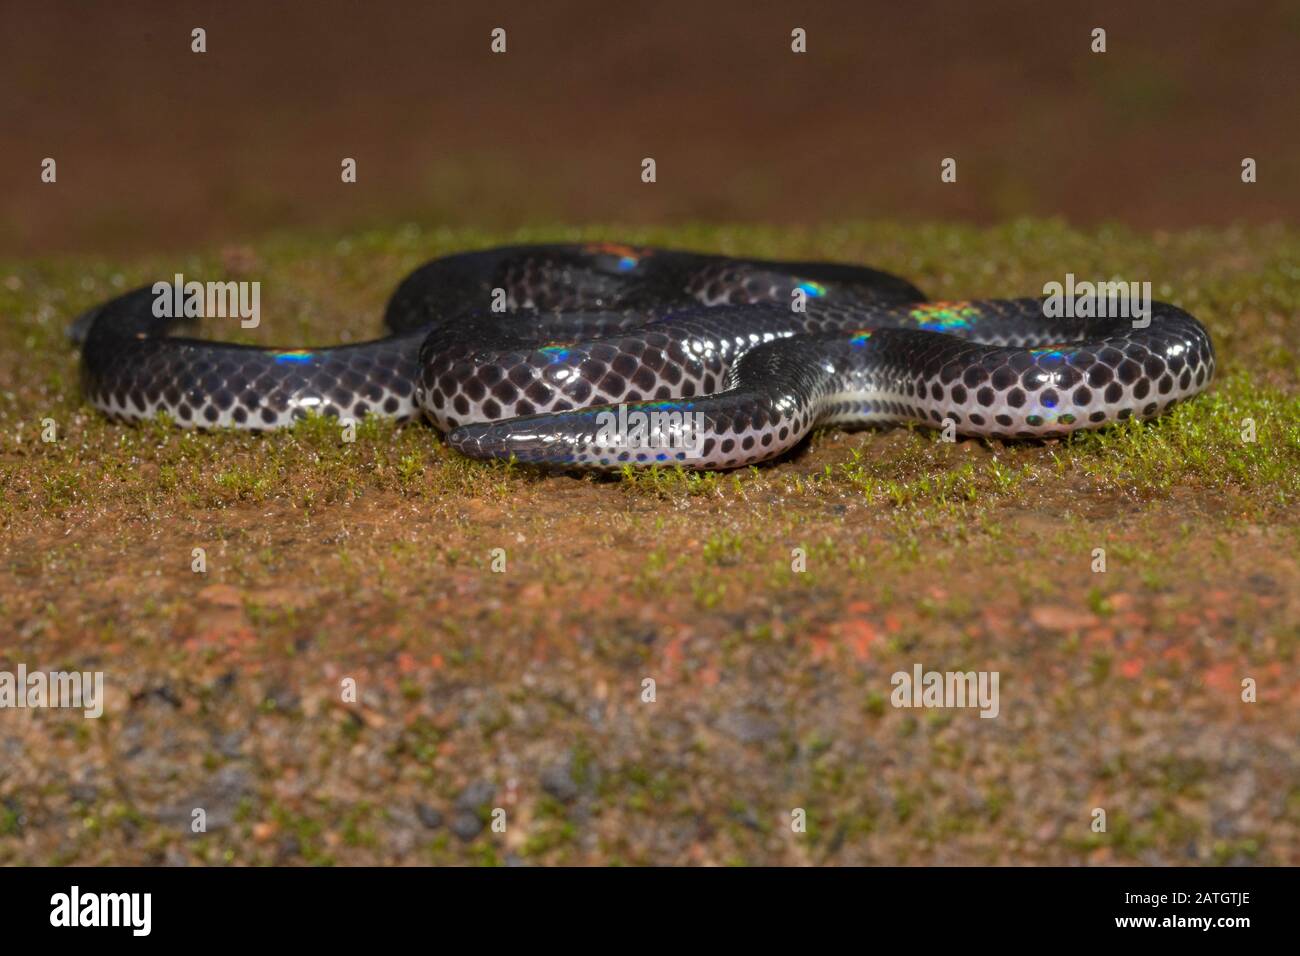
column 599, row 356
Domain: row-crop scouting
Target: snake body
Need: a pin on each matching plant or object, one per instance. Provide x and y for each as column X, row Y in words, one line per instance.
column 601, row 356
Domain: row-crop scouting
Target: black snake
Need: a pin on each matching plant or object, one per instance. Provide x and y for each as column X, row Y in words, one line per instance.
column 597, row 356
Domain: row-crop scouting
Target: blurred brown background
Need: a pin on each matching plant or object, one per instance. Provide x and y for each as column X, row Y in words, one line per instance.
column 157, row 146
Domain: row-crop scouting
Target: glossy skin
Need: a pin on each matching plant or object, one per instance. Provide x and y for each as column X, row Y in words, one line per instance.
column 723, row 370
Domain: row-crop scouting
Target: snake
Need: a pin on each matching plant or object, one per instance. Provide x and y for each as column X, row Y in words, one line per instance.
column 605, row 355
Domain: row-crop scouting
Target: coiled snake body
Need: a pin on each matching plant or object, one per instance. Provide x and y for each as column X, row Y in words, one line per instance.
column 610, row 355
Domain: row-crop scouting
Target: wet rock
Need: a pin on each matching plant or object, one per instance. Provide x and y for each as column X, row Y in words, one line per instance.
column 466, row 825
column 427, row 815
column 557, row 780
column 475, row 795
column 219, row 800
column 225, row 682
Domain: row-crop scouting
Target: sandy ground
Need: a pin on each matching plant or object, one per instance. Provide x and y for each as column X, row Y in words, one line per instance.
column 524, row 690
